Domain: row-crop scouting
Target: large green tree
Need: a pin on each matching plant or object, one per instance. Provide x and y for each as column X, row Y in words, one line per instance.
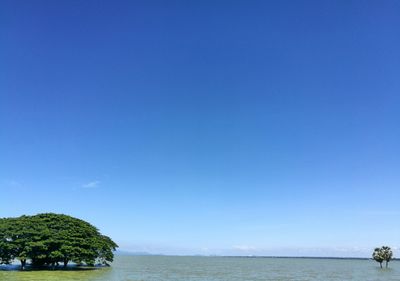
column 49, row 239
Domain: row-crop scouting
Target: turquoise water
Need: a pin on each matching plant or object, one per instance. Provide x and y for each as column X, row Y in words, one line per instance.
column 164, row 268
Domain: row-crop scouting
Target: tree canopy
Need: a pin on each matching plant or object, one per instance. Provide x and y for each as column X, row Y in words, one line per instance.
column 50, row 239
column 382, row 254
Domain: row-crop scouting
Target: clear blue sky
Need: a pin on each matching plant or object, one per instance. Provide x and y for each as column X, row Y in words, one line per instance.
column 253, row 127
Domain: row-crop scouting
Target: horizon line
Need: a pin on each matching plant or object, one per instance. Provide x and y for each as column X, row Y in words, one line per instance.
column 127, row 253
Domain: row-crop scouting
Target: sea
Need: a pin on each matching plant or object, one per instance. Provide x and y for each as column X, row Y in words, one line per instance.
column 198, row 268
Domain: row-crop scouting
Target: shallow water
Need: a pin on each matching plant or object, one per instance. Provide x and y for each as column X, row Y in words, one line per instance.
column 164, row 268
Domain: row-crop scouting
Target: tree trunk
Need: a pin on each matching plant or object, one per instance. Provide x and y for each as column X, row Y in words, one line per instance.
column 380, row 264
column 387, row 264
column 65, row 263
column 23, row 263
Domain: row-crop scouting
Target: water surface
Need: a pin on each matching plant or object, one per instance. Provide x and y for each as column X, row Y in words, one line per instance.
column 164, row 268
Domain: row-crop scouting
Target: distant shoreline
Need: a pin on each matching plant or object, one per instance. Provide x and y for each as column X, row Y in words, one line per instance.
column 244, row 256
column 301, row 257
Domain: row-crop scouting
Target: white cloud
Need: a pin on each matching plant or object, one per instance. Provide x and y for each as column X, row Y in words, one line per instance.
column 244, row 248
column 11, row 183
column 92, row 184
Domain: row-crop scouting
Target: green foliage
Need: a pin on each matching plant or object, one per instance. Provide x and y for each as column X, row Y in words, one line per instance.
column 383, row 254
column 48, row 239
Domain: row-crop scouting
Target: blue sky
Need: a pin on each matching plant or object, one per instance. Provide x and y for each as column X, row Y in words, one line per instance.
column 196, row 127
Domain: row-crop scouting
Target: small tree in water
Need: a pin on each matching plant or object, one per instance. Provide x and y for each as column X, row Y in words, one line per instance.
column 383, row 254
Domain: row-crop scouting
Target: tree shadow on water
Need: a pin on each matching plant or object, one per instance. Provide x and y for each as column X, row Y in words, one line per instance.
column 71, row 273
column 29, row 268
